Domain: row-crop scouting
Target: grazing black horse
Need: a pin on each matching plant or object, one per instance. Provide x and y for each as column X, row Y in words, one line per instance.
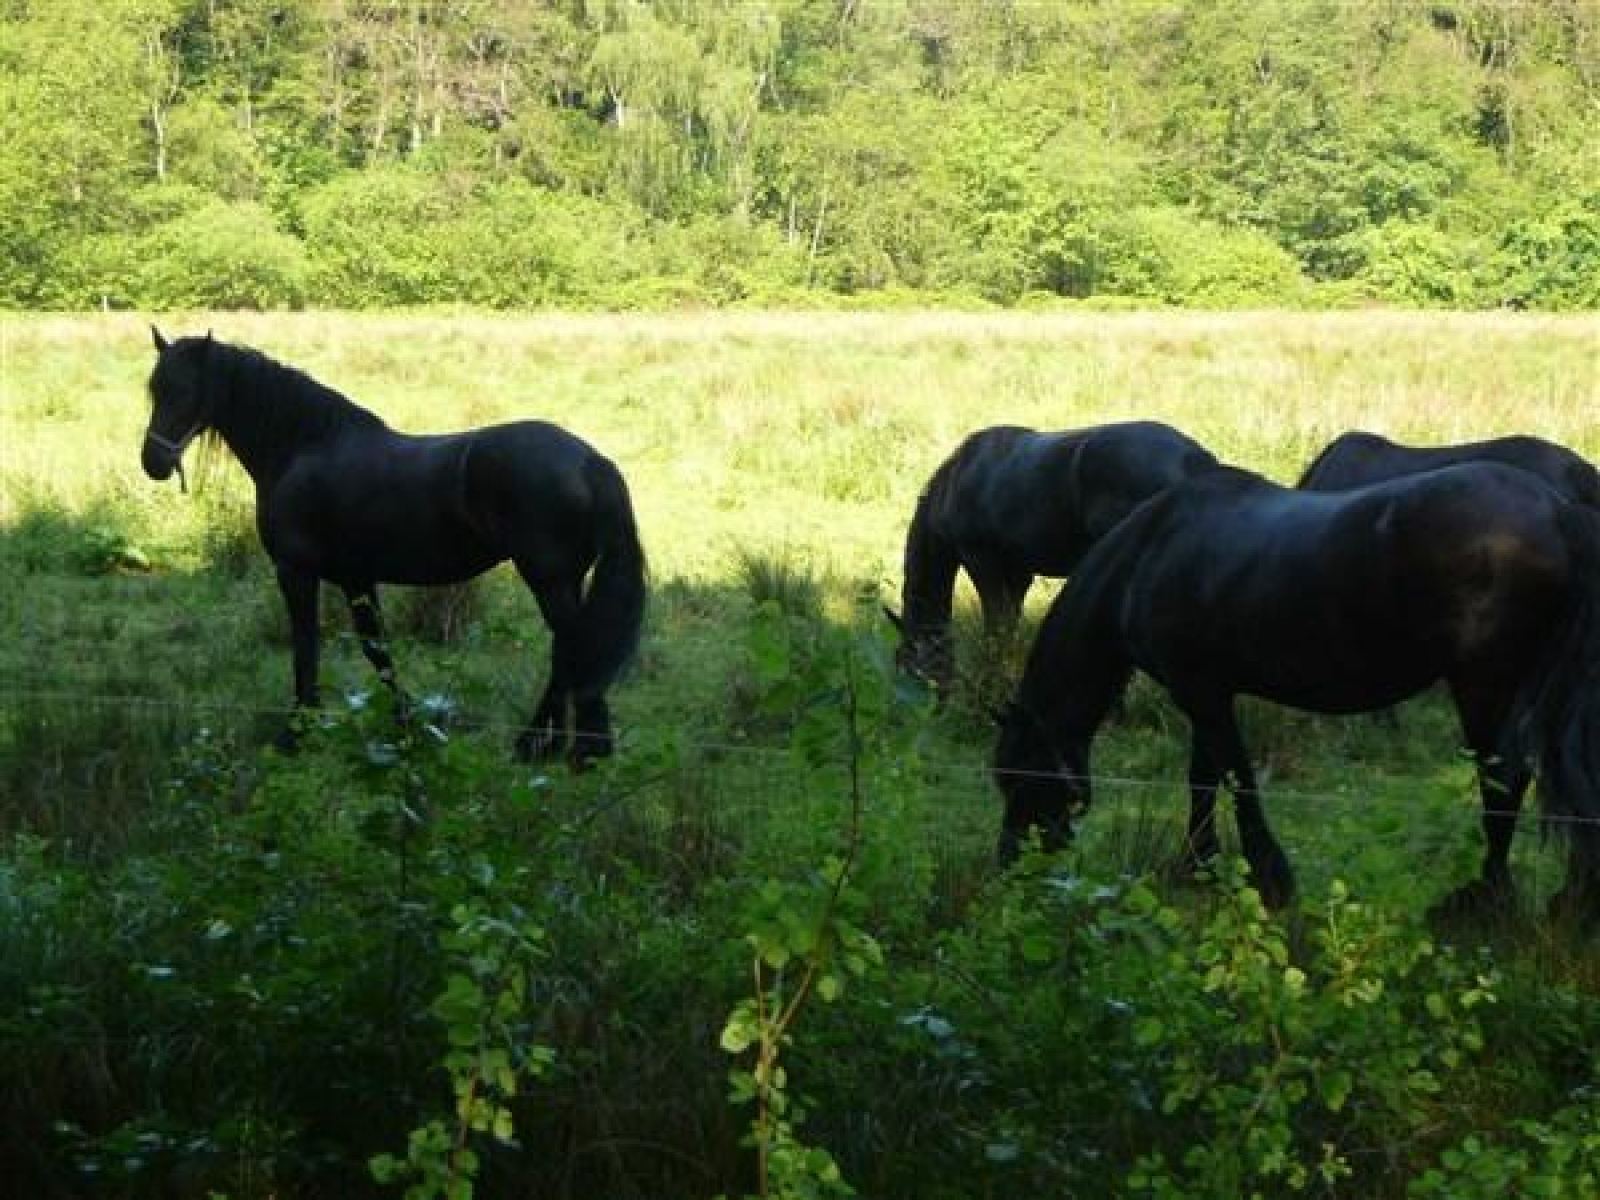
column 1358, row 458
column 342, row 497
column 1342, row 602
column 1012, row 503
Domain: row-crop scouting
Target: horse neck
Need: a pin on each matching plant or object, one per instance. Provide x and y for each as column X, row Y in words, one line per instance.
column 928, row 578
column 267, row 413
column 1079, row 664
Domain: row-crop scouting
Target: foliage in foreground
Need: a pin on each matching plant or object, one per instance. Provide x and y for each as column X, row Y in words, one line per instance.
column 310, row 959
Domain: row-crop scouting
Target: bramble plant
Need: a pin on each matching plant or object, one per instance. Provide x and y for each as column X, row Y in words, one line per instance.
column 803, row 934
column 483, row 1010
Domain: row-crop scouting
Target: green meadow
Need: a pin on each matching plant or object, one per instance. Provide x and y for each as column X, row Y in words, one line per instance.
column 166, row 1041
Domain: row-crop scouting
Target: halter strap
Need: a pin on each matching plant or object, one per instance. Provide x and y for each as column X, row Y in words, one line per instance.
column 167, row 444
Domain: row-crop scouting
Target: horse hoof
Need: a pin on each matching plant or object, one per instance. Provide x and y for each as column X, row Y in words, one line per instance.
column 1476, row 901
column 588, row 749
column 1276, row 894
column 1576, row 909
column 539, row 745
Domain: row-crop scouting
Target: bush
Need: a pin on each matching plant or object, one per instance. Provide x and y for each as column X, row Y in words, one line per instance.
column 373, row 238
column 1555, row 258
column 399, row 236
column 726, row 258
column 1169, row 255
column 1417, row 264
column 224, row 256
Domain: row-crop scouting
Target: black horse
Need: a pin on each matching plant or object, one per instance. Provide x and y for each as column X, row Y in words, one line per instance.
column 1012, row 503
column 342, row 497
column 1358, row 458
column 1476, row 574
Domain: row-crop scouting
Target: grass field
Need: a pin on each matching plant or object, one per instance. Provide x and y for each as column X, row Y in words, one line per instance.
column 753, row 443
column 771, row 457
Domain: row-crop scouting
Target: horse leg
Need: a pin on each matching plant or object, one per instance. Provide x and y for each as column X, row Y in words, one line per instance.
column 1221, row 753
column 546, row 734
column 1200, row 844
column 591, row 730
column 300, row 596
column 1502, row 781
column 1001, row 591
column 368, row 620
column 1578, row 901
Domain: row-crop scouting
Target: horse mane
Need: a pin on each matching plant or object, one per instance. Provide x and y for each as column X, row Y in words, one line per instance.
column 278, row 400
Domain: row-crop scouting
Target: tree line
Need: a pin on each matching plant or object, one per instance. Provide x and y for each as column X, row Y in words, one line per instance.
column 616, row 153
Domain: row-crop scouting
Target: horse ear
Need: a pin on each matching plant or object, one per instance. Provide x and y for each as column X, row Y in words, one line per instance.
column 894, row 619
column 155, row 336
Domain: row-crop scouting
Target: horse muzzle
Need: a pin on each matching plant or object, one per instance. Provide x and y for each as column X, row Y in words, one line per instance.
column 161, row 456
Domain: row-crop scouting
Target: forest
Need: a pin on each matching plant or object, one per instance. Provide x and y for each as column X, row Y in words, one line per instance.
column 280, row 154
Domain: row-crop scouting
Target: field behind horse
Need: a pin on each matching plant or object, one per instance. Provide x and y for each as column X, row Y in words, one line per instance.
column 176, row 901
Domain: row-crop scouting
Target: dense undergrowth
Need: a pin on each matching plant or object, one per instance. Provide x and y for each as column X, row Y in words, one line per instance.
column 391, row 946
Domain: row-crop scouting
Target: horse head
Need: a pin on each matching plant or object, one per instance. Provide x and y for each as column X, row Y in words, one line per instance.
column 925, row 654
column 180, row 402
column 1045, row 784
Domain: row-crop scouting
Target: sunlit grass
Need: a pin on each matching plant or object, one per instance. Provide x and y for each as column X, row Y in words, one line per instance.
column 770, row 456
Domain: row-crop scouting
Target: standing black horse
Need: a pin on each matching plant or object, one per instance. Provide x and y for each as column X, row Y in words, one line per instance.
column 1476, row 574
column 342, row 497
column 1358, row 458
column 1012, row 503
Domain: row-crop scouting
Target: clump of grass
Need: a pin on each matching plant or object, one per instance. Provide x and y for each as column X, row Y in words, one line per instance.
column 46, row 536
column 781, row 578
column 228, row 542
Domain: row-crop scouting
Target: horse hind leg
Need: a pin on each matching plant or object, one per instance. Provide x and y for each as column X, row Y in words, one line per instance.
column 1503, row 779
column 545, row 736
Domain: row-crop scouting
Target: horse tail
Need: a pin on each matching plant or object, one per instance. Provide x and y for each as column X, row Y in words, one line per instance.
column 612, row 613
column 1563, row 706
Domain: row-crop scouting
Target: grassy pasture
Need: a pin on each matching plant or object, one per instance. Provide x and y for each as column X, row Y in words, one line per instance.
column 771, row 457
column 750, row 440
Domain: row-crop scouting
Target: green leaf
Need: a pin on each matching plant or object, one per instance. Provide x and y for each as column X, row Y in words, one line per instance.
column 1336, row 1086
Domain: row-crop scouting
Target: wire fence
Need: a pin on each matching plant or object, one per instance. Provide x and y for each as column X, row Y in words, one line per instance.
column 1353, row 798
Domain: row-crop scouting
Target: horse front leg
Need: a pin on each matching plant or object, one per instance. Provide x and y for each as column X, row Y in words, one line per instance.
column 1219, row 742
column 367, row 618
column 300, row 596
column 1001, row 590
column 1200, row 844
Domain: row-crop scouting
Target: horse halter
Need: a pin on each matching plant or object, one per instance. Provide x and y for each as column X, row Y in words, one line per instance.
column 176, row 449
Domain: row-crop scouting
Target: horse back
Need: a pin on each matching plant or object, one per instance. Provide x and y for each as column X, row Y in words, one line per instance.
column 1344, row 601
column 1041, row 499
column 1358, row 458
column 378, row 506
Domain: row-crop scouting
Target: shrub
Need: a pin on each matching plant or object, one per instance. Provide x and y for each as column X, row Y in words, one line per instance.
column 1555, row 258
column 225, row 256
column 1170, row 255
column 373, row 239
column 1417, row 264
